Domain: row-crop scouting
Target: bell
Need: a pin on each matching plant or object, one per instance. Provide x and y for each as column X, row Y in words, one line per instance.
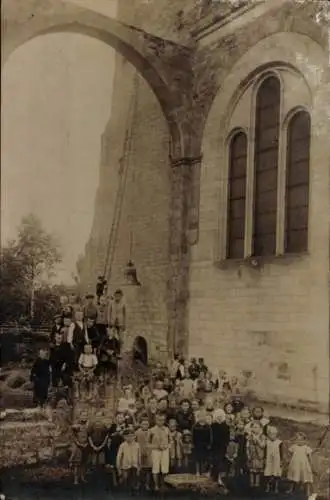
column 130, row 274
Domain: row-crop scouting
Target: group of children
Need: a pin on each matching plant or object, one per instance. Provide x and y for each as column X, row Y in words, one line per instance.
column 182, row 420
column 84, row 342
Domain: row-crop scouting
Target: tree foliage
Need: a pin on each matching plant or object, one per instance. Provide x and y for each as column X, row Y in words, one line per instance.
column 27, row 264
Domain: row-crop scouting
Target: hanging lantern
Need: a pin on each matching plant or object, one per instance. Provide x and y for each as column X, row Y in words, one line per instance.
column 131, row 275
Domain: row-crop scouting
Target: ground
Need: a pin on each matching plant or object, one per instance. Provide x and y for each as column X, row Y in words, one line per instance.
column 15, row 390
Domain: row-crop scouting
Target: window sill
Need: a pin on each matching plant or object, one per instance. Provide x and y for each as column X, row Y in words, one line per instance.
column 259, row 262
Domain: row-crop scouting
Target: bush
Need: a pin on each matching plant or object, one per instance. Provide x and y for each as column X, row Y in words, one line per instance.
column 15, row 381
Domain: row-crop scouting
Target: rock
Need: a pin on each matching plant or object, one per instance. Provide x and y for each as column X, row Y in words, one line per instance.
column 45, row 454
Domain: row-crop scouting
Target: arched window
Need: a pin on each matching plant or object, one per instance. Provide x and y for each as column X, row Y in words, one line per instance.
column 237, row 196
column 267, row 130
column 297, row 183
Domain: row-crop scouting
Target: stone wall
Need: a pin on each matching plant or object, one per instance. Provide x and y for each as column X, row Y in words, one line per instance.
column 273, row 321
column 26, row 443
column 143, row 233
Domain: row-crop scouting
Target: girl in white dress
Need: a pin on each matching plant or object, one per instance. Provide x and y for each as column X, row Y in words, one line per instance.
column 126, row 403
column 273, row 464
column 300, row 469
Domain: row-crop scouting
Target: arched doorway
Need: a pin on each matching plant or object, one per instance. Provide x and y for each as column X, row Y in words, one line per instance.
column 140, row 350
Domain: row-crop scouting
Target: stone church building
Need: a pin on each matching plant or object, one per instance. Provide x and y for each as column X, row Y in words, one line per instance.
column 219, row 140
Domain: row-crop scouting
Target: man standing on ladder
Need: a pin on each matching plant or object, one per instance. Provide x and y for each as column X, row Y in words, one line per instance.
column 117, row 315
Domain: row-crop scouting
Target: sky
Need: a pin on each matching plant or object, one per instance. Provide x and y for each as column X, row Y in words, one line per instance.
column 56, row 101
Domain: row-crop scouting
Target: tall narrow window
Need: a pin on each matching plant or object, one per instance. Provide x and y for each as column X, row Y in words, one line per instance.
column 266, row 164
column 297, row 183
column 236, row 196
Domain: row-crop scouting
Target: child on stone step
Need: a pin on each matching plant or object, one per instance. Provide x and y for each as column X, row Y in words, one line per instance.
column 129, row 461
column 202, row 441
column 142, row 438
column 175, row 447
column 273, row 464
column 80, row 449
column 160, row 455
column 87, row 364
column 300, row 467
column 40, row 377
column 256, row 447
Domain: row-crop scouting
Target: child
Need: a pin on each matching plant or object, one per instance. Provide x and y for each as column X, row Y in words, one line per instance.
column 187, row 386
column 142, row 438
column 167, row 385
column 241, row 461
column 40, row 376
column 162, row 408
column 199, row 387
column 126, row 404
column 158, row 373
column 97, row 438
column 257, row 415
column 273, row 468
column 160, row 455
column 102, row 317
column 90, row 309
column 202, row 366
column 108, row 353
column 245, row 416
column 111, row 450
column 100, row 287
column 185, row 417
column 300, row 469
column 176, row 393
column 159, row 391
column 202, row 441
column 194, row 369
column 237, row 404
column 232, row 454
column 56, row 328
column 172, row 409
column 220, row 441
column 129, row 461
column 117, row 314
column 152, row 411
column 140, row 412
column 173, row 368
column 87, row 363
column 186, row 449
column 224, row 385
column 209, row 405
column 255, row 448
column 175, row 447
column 230, row 417
column 80, row 449
column 145, row 392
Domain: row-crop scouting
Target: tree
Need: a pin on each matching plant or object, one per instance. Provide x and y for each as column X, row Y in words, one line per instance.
column 14, row 298
column 29, row 263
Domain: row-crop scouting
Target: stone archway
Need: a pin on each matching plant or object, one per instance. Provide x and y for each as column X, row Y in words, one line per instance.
column 168, row 69
column 140, row 350
column 165, row 65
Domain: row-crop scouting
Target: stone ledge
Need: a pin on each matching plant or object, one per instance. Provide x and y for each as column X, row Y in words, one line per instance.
column 257, row 263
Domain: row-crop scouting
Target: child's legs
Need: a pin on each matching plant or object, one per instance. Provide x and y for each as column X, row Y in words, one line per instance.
column 165, row 462
column 76, row 474
column 125, row 477
column 156, row 466
column 133, row 477
column 308, row 488
column 198, row 466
